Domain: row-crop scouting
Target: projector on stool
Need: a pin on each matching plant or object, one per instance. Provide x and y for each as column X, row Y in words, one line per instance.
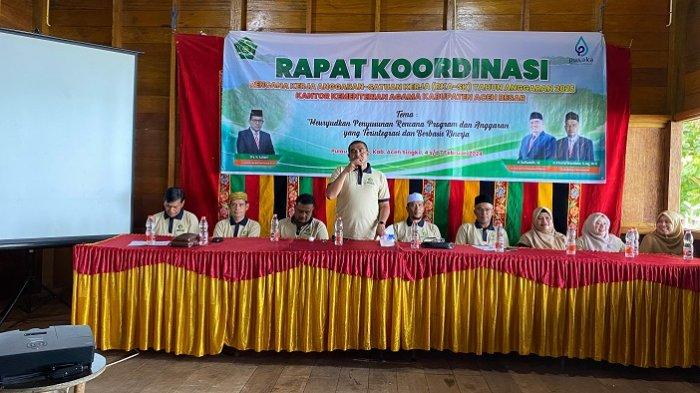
column 55, row 353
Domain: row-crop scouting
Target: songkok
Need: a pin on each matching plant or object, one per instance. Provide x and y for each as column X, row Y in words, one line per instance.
column 238, row 195
column 256, row 112
column 533, row 115
column 481, row 198
column 415, row 197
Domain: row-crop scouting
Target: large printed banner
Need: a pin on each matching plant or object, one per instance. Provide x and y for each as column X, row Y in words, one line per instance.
column 518, row 106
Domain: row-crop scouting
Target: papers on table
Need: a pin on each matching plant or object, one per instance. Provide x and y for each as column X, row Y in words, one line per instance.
column 141, row 243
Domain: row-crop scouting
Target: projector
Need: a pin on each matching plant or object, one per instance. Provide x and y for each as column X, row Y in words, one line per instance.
column 55, row 353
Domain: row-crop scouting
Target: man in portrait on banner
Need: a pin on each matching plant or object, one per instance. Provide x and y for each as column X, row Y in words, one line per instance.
column 574, row 147
column 253, row 140
column 538, row 144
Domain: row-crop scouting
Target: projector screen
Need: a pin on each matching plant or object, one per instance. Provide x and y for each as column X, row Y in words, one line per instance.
column 67, row 129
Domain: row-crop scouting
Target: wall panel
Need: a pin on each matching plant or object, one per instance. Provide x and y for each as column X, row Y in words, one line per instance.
column 16, row 14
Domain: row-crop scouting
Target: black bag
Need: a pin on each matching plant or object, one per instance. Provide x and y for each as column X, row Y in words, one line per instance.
column 185, row 240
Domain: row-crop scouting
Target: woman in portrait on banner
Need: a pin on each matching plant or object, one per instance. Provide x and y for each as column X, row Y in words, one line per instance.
column 542, row 234
column 595, row 235
column 668, row 236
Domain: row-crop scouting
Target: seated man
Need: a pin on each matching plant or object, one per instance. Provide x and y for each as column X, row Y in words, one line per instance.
column 175, row 220
column 415, row 208
column 237, row 224
column 482, row 231
column 303, row 225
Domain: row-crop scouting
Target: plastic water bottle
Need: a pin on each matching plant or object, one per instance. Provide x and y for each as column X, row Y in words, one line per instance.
column 629, row 243
column 150, row 231
column 500, row 245
column 274, row 229
column 338, row 231
column 415, row 236
column 635, row 245
column 203, row 231
column 571, row 240
column 688, row 245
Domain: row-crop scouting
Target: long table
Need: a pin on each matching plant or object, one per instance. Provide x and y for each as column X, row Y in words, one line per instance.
column 295, row 295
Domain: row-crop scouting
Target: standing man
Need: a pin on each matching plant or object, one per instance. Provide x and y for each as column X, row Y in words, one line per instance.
column 538, row 145
column 482, row 231
column 254, row 140
column 415, row 207
column 237, row 224
column 573, row 147
column 175, row 220
column 363, row 195
column 302, row 224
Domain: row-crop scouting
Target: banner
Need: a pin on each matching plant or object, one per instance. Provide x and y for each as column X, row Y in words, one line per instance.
column 518, row 106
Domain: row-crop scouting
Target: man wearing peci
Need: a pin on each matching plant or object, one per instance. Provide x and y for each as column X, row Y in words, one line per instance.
column 237, row 224
column 573, row 147
column 482, row 232
column 363, row 195
column 254, row 140
column 538, row 145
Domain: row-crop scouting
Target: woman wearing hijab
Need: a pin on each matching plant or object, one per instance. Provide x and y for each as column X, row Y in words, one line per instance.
column 668, row 236
column 595, row 235
column 542, row 235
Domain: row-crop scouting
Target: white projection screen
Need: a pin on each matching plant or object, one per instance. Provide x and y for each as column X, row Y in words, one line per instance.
column 66, row 140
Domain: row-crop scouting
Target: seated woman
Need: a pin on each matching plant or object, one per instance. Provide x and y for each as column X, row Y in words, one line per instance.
column 595, row 235
column 668, row 236
column 542, row 235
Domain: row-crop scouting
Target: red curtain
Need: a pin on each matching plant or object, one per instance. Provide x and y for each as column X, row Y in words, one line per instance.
column 200, row 59
column 199, row 63
column 607, row 198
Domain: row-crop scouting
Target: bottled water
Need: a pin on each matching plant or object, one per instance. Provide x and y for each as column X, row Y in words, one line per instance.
column 338, row 231
column 274, row 229
column 150, row 231
column 571, row 240
column 203, row 231
column 630, row 239
column 500, row 239
column 635, row 245
column 688, row 245
column 415, row 236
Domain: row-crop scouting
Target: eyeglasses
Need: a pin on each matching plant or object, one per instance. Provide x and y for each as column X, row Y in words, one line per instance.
column 257, row 120
column 358, row 151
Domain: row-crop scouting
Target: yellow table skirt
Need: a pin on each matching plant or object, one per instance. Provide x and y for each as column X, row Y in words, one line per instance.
column 307, row 308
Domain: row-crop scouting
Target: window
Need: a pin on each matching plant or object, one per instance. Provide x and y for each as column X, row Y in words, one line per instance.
column 690, row 174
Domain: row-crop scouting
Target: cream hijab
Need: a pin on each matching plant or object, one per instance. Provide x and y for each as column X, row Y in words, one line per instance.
column 535, row 238
column 665, row 244
column 590, row 241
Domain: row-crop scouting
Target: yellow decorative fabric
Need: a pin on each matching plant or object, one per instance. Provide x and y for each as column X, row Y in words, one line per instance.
column 164, row 307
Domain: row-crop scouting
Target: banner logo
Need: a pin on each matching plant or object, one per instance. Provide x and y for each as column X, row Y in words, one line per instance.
column 245, row 47
column 581, row 47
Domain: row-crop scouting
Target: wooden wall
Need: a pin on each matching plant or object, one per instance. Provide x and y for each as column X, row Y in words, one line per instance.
column 16, row 14
column 689, row 75
column 145, row 25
